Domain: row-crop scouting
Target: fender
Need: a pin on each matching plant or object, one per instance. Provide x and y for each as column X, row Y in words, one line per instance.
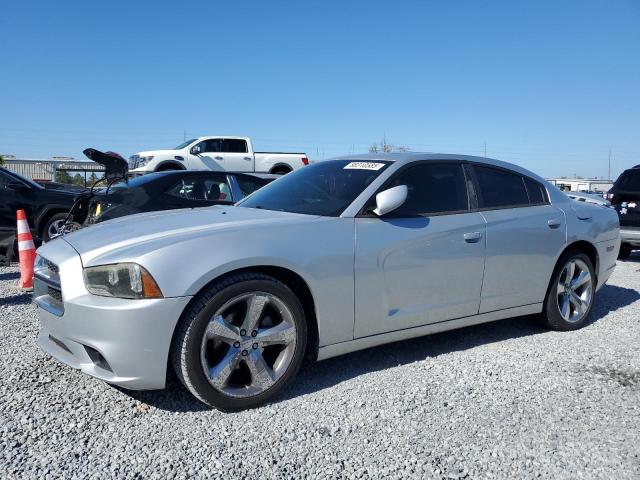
column 44, row 213
column 280, row 164
column 172, row 163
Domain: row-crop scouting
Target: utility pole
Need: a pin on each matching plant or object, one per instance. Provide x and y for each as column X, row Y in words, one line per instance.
column 609, row 171
column 184, row 135
column 485, row 149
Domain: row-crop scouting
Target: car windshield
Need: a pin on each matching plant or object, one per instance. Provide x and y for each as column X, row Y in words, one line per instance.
column 184, row 144
column 629, row 181
column 325, row 188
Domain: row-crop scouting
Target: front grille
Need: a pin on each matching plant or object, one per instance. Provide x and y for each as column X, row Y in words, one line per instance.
column 52, row 266
column 133, row 161
column 55, row 294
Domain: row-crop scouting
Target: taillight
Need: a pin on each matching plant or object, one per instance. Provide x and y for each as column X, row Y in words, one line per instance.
column 305, row 160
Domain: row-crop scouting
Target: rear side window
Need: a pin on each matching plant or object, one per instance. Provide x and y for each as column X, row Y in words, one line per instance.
column 537, row 194
column 233, row 145
column 433, row 188
column 249, row 185
column 203, row 189
column 500, row 189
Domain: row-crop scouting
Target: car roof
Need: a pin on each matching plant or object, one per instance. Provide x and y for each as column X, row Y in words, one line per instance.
column 409, row 157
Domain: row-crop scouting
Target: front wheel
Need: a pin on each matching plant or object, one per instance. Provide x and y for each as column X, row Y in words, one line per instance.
column 240, row 342
column 570, row 295
column 54, row 227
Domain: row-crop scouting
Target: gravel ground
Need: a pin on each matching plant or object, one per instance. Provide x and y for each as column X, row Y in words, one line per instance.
column 507, row 399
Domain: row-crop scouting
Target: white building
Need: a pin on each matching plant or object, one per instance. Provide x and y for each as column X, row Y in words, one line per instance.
column 582, row 184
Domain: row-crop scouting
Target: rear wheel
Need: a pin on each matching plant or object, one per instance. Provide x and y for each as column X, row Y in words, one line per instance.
column 280, row 171
column 625, row 251
column 241, row 342
column 570, row 295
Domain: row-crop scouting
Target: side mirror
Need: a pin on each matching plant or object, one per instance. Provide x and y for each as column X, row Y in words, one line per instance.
column 195, row 150
column 17, row 186
column 388, row 200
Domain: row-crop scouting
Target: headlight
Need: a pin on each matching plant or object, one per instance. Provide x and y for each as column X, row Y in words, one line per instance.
column 144, row 160
column 44, row 268
column 121, row 280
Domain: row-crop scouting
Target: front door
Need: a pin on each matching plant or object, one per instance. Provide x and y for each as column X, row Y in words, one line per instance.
column 424, row 262
column 222, row 154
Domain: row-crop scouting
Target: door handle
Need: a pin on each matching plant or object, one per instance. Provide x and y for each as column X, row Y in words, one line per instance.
column 248, row 158
column 554, row 223
column 218, row 158
column 472, row 237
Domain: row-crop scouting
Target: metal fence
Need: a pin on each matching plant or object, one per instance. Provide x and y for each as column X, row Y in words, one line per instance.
column 44, row 169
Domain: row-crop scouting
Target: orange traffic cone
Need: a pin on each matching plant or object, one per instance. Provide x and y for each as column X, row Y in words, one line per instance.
column 26, row 251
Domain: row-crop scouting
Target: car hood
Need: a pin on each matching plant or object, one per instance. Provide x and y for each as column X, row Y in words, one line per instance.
column 145, row 232
column 159, row 153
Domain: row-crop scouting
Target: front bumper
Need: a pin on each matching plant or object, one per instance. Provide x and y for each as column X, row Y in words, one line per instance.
column 630, row 236
column 120, row 341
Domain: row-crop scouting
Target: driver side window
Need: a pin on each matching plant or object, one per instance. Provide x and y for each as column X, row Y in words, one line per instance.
column 211, row 146
column 434, row 188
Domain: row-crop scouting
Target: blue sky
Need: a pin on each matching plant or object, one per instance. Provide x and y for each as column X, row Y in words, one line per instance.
column 551, row 85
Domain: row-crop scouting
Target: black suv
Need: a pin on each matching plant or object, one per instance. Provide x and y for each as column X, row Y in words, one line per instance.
column 45, row 208
column 625, row 198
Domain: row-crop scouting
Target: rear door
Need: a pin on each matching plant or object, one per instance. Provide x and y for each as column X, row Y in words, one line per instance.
column 525, row 233
column 236, row 155
column 423, row 263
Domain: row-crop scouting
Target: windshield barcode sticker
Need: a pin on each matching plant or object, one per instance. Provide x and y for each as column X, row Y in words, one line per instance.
column 364, row 166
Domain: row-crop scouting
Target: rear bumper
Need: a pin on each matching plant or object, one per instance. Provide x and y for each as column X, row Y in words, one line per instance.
column 630, row 236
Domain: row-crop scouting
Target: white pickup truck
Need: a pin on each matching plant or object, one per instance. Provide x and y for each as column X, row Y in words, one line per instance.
column 222, row 153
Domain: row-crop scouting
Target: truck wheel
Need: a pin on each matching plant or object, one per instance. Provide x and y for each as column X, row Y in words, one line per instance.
column 625, row 251
column 240, row 342
column 280, row 171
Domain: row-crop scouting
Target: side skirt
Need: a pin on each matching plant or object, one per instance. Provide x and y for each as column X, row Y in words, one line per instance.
column 342, row 348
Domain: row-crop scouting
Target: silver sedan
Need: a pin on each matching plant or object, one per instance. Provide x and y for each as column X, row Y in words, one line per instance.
column 338, row 256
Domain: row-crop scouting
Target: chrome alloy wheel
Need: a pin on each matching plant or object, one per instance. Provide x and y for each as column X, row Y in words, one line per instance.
column 248, row 344
column 575, row 290
column 56, row 229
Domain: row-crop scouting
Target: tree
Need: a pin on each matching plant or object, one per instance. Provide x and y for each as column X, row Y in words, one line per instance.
column 62, row 176
column 386, row 147
column 78, row 179
column 1, row 160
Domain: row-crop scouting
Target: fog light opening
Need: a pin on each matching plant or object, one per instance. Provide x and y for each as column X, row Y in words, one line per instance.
column 97, row 359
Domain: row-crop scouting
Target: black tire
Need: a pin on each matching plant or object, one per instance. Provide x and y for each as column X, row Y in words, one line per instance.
column 186, row 344
column 45, row 235
column 625, row 251
column 280, row 171
column 551, row 313
column 168, row 168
